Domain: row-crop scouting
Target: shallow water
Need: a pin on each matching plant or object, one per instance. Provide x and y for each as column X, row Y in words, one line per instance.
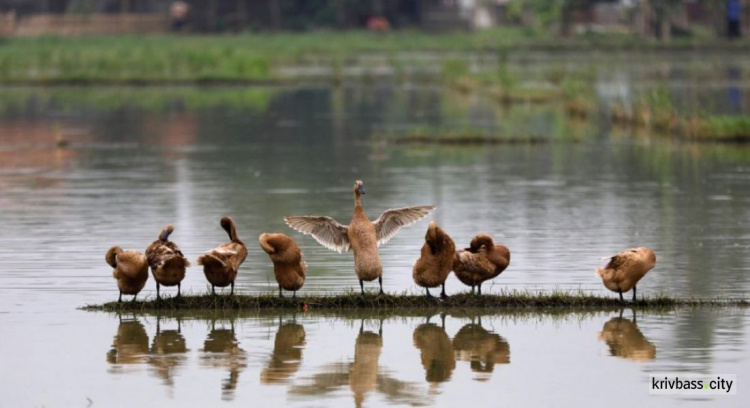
column 137, row 159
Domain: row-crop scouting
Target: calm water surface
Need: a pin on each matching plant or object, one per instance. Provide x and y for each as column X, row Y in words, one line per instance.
column 139, row 158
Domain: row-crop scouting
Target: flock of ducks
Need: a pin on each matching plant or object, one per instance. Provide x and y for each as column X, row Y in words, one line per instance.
column 481, row 261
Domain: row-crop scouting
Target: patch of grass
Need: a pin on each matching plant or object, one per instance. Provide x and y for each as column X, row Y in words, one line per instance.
column 352, row 300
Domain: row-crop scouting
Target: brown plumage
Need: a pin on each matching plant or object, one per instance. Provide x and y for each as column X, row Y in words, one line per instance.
column 436, row 260
column 361, row 235
column 220, row 265
column 483, row 349
column 482, row 261
column 131, row 270
column 625, row 340
column 288, row 266
column 625, row 269
column 166, row 260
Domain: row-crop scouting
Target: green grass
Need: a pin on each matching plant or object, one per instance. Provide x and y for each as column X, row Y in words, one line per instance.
column 254, row 58
column 352, row 300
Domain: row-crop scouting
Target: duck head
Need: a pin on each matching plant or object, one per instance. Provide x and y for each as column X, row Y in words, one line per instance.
column 359, row 188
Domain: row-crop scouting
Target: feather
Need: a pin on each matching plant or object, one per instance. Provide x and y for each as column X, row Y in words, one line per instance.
column 388, row 224
column 327, row 231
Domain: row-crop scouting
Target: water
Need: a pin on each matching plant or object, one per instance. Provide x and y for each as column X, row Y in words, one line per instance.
column 137, row 159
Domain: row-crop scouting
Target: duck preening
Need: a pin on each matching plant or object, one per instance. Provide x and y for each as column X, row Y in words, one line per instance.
column 288, row 266
column 482, row 261
column 361, row 235
column 436, row 260
column 131, row 270
column 624, row 270
column 167, row 261
column 220, row 265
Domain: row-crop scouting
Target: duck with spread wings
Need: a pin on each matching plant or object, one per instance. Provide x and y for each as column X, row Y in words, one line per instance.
column 362, row 236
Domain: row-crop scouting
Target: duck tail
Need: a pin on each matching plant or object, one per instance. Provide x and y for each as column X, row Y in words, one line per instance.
column 111, row 256
column 600, row 272
column 166, row 232
column 228, row 224
column 209, row 261
column 176, row 262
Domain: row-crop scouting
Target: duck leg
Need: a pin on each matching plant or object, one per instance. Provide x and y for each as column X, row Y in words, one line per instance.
column 134, row 296
column 178, row 289
column 479, row 288
column 633, row 294
column 213, row 290
column 380, row 281
column 620, row 292
column 442, row 293
column 157, row 291
column 294, row 294
column 428, row 292
column 280, row 295
column 119, row 299
column 472, row 289
column 231, row 292
column 362, row 286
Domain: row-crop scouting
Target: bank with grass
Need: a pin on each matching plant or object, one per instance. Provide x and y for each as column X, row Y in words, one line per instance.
column 511, row 300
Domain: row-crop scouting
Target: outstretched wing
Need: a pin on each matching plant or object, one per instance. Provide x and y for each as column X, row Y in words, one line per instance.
column 325, row 230
column 388, row 224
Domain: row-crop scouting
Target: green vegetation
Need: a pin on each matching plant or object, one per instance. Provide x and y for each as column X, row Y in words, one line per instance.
column 256, row 58
column 352, row 300
column 656, row 111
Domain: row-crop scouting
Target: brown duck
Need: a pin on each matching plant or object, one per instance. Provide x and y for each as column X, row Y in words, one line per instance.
column 361, row 235
column 436, row 261
column 288, row 266
column 220, row 265
column 482, row 261
column 131, row 270
column 625, row 269
column 167, row 261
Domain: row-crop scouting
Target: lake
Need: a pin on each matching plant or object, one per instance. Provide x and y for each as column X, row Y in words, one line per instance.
column 82, row 169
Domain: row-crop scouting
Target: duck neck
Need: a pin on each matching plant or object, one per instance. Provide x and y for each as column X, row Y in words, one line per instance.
column 357, row 199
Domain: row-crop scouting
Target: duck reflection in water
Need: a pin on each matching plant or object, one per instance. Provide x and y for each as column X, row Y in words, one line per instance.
column 362, row 375
column 222, row 350
column 482, row 348
column 625, row 340
column 130, row 345
column 168, row 351
column 436, row 350
column 287, row 353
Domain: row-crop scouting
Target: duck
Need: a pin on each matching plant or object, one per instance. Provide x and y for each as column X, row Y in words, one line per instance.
column 483, row 260
column 361, row 236
column 481, row 348
column 288, row 266
column 436, row 260
column 131, row 270
column 167, row 262
column 624, row 270
column 220, row 265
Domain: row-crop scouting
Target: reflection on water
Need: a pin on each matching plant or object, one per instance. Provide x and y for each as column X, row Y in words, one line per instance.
column 362, row 375
column 287, row 354
column 221, row 350
column 436, row 351
column 482, row 348
column 130, row 345
column 625, row 340
column 364, row 361
column 168, row 353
